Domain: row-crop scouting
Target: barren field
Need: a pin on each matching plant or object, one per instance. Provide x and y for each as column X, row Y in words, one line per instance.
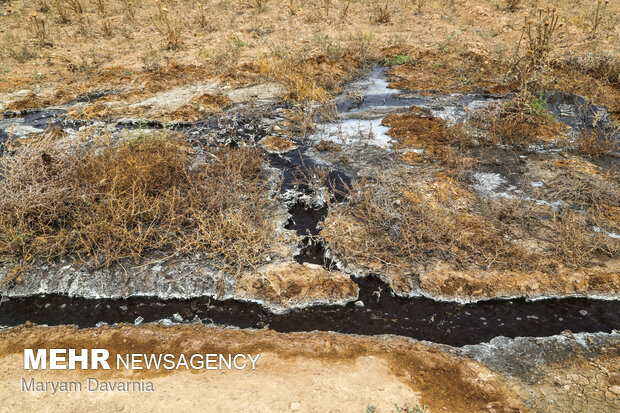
column 398, row 204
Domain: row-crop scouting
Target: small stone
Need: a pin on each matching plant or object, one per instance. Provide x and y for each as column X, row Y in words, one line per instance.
column 359, row 304
column 138, row 320
column 295, row 406
column 583, row 312
column 177, row 317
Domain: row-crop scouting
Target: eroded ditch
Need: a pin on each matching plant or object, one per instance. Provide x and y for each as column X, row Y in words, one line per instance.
column 421, row 318
column 377, row 310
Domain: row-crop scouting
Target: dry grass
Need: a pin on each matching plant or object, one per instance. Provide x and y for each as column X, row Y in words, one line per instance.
column 584, row 190
column 106, row 201
column 595, row 143
column 519, row 122
column 313, row 79
column 299, row 82
column 406, row 218
column 575, row 245
column 98, row 35
column 382, row 13
column 411, row 217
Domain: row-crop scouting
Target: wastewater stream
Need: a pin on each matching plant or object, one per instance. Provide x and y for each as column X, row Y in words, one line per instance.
column 377, row 311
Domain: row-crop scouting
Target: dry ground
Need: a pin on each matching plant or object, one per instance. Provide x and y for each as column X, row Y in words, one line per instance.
column 315, row 371
column 319, row 372
column 138, row 48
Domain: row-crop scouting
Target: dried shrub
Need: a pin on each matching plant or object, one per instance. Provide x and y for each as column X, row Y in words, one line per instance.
column 595, row 143
column 381, row 13
column 539, row 32
column 582, row 189
column 106, row 201
column 598, row 15
column 519, row 122
column 167, row 27
column 42, row 6
column 300, row 82
column 605, row 67
column 100, row 6
column 129, row 7
column 62, row 9
column 39, row 29
column 345, row 9
column 419, row 5
column 259, row 5
column 576, row 244
column 202, row 21
column 512, row 5
column 106, row 27
column 76, row 6
column 406, row 218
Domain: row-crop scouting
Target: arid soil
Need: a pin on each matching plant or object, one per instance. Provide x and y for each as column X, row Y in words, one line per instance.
column 323, row 371
column 62, row 52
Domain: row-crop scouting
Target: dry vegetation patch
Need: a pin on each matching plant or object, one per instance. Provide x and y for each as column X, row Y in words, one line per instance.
column 409, row 218
column 518, row 122
column 65, row 44
column 448, row 71
column 108, row 200
column 428, row 228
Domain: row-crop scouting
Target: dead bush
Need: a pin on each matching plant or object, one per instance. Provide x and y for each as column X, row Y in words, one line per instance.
column 605, row 67
column 512, row 5
column 595, row 143
column 62, row 9
column 412, row 217
column 592, row 190
column 381, row 13
column 419, row 5
column 519, row 122
column 105, row 201
column 168, row 27
column 539, row 33
column 39, row 30
column 298, row 78
column 575, row 244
